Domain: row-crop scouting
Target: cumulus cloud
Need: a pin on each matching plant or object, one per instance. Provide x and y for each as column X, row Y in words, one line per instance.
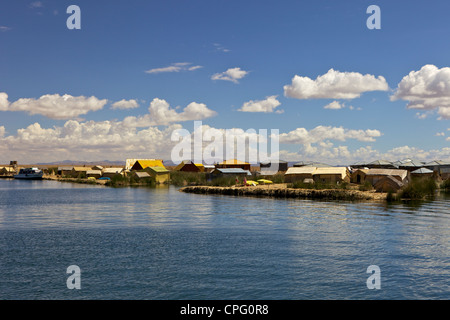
column 232, row 74
column 267, row 105
column 4, row 103
column 426, row 89
column 125, row 104
column 175, row 67
column 160, row 113
column 54, row 106
column 322, row 133
column 335, row 105
column 334, row 85
column 85, row 141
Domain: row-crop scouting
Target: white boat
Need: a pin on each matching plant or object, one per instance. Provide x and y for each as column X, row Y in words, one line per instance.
column 29, row 174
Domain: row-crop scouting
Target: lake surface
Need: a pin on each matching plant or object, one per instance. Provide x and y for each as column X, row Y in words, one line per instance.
column 159, row 243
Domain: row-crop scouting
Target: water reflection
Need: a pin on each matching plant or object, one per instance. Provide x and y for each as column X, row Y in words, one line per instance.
column 230, row 247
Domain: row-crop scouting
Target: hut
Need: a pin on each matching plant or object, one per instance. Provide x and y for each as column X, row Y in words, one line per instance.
column 229, row 172
column 388, row 184
column 141, row 164
column 422, row 173
column 112, row 172
column 7, row 171
column 331, row 175
column 97, row 168
column 141, row 175
column 65, row 170
column 437, row 166
column 277, row 165
column 444, row 173
column 233, row 164
column 94, row 174
column 373, row 175
column 79, row 172
column 295, row 174
column 161, row 174
column 358, row 176
column 189, row 166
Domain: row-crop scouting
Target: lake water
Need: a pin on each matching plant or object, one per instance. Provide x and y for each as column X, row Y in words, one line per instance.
column 154, row 244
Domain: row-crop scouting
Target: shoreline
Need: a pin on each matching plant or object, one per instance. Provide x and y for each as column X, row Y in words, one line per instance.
column 282, row 191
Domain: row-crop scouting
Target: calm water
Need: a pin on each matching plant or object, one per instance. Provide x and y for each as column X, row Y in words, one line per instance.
column 139, row 243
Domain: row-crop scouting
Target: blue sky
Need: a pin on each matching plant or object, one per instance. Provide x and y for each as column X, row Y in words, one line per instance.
column 221, row 55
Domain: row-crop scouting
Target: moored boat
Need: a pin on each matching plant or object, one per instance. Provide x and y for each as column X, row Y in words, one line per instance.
column 29, row 174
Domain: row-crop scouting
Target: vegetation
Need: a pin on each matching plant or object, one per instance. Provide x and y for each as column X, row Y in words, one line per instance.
column 367, row 186
column 181, row 178
column 130, row 180
column 223, row 182
column 418, row 189
column 446, row 185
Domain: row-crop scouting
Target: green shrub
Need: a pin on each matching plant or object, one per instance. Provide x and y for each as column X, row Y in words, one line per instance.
column 418, row 189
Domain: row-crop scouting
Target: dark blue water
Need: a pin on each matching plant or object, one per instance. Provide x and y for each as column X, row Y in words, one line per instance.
column 142, row 243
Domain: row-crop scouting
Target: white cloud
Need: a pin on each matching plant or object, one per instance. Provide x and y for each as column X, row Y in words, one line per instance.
column 322, row 133
column 220, row 48
column 335, row 105
column 160, row 113
column 426, row 89
column 175, row 67
column 440, row 134
column 4, row 28
column 86, row 141
column 4, row 103
column 267, row 105
column 232, row 74
column 444, row 113
column 125, row 104
column 334, row 85
column 36, row 4
column 55, row 106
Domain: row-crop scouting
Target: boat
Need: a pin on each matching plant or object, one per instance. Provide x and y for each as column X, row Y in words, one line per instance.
column 29, row 174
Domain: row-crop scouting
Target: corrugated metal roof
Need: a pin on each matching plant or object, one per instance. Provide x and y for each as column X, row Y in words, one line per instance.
column 232, row 170
column 381, row 162
column 422, row 170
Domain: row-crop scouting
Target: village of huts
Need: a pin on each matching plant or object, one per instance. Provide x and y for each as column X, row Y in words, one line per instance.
column 380, row 175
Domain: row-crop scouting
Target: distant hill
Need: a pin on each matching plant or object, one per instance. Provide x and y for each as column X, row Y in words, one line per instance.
column 73, row 162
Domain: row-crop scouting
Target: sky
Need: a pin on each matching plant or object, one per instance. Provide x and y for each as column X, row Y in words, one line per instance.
column 135, row 72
